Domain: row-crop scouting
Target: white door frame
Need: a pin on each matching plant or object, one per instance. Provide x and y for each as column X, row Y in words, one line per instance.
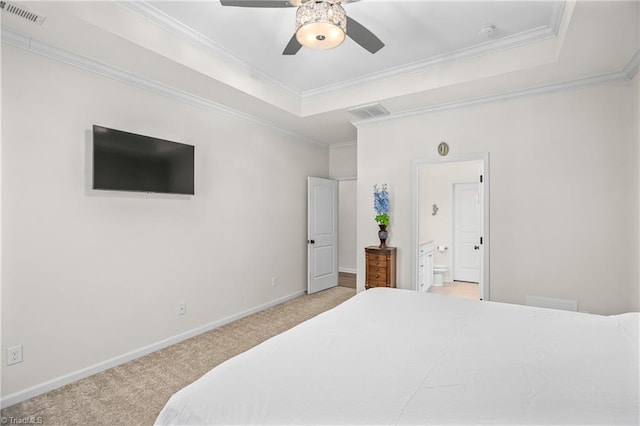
column 484, row 194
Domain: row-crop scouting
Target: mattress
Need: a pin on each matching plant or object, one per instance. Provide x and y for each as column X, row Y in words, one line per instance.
column 391, row 356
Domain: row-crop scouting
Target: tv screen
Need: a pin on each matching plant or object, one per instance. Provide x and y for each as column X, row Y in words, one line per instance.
column 125, row 161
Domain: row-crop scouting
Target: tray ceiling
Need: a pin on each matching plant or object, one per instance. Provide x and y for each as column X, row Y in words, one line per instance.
column 415, row 33
column 230, row 58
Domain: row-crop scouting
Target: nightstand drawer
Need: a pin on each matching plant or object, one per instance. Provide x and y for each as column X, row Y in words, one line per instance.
column 377, row 284
column 380, row 267
column 377, row 273
column 378, row 260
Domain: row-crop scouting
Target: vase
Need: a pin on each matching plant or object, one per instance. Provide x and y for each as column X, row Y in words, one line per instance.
column 382, row 235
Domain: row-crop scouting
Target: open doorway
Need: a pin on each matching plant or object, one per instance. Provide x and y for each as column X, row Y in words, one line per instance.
column 451, row 225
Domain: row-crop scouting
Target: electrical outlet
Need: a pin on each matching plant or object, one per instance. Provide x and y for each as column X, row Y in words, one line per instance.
column 14, row 355
column 182, row 308
column 274, row 281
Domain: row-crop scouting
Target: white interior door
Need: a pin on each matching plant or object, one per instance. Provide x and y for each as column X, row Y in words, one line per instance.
column 322, row 242
column 467, row 225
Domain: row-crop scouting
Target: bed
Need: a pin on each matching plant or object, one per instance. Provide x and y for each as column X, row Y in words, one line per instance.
column 391, row 356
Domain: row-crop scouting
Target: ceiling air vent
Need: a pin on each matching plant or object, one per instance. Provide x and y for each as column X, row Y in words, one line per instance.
column 22, row 12
column 369, row 111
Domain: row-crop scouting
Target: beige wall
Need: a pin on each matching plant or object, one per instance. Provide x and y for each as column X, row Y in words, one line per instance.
column 347, row 239
column 89, row 275
column 564, row 190
column 635, row 286
column 343, row 161
column 343, row 165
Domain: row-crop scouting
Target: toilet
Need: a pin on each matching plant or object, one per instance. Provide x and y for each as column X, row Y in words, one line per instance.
column 438, row 274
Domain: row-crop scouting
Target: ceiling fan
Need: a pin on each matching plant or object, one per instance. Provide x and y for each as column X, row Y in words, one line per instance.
column 320, row 24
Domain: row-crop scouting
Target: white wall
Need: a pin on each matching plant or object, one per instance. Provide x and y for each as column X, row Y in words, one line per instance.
column 343, row 165
column 564, row 190
column 89, row 276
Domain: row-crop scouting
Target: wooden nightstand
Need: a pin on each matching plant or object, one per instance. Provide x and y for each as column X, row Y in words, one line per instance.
column 380, row 267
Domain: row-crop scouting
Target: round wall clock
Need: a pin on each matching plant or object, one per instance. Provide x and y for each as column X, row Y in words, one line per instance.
column 443, row 148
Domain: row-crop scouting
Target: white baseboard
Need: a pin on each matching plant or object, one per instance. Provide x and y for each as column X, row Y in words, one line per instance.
column 348, row 270
column 551, row 303
column 129, row 356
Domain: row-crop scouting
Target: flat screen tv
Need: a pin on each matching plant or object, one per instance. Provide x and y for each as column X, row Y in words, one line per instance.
column 125, row 161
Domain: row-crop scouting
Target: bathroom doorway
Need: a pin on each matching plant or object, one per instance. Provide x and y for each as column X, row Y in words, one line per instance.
column 458, row 225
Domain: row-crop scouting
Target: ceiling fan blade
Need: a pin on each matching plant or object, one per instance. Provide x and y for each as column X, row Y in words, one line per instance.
column 256, row 3
column 292, row 47
column 363, row 36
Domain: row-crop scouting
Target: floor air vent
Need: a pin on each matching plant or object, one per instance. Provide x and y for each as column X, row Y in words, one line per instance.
column 369, row 111
column 22, row 12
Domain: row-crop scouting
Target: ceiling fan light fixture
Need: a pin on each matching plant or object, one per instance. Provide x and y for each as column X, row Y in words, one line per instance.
column 321, row 25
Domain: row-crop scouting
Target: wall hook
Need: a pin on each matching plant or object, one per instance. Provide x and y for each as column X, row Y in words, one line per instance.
column 435, row 210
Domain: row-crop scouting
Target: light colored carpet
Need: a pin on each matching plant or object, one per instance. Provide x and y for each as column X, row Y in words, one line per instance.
column 135, row 392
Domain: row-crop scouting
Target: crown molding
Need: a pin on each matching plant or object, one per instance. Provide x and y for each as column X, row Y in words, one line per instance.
column 488, row 47
column 516, row 40
column 554, row 87
column 176, row 27
column 632, row 66
column 343, row 145
column 26, row 43
column 537, row 34
column 15, row 39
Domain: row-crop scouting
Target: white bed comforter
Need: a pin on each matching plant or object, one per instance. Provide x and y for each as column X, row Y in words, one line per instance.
column 390, row 356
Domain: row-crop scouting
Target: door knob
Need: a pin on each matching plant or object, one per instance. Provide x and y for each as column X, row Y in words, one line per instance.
column 476, row 247
column 311, row 241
